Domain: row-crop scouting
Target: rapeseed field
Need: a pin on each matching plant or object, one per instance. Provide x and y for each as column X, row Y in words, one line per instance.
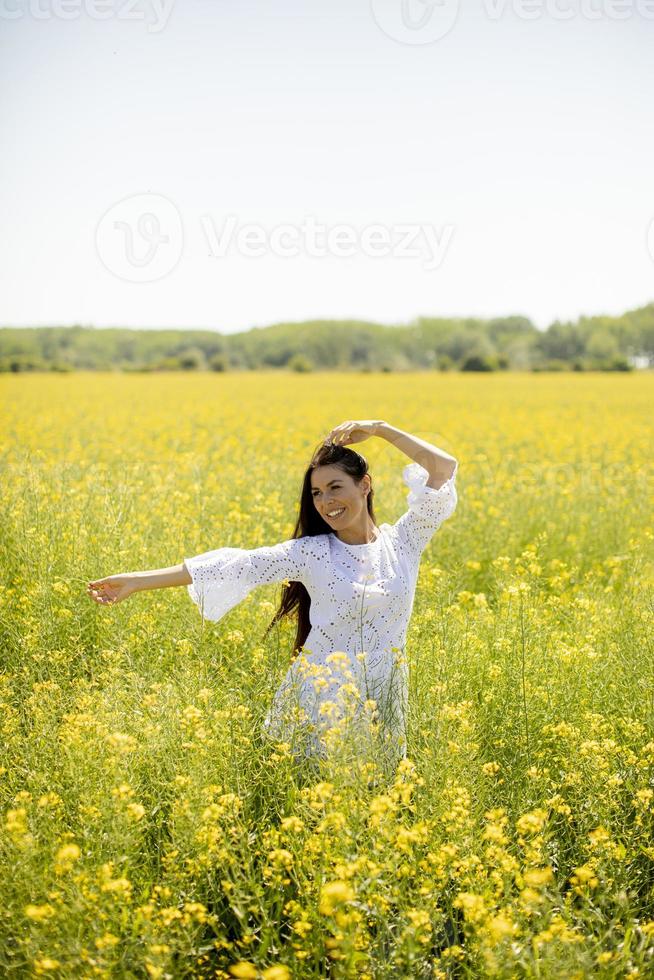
column 146, row 830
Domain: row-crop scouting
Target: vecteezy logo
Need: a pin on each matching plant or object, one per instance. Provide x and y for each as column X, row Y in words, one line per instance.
column 140, row 239
column 415, row 21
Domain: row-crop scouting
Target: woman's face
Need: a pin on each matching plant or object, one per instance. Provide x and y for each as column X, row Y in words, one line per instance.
column 337, row 497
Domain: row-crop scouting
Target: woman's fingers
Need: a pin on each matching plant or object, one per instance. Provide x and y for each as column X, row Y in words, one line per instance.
column 340, row 433
column 100, row 592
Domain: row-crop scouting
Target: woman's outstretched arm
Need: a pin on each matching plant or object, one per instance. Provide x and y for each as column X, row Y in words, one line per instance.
column 115, row 588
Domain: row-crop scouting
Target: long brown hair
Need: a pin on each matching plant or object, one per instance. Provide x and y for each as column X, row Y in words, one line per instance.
column 310, row 523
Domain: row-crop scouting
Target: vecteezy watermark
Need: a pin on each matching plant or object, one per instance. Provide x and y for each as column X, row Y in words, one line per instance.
column 155, row 13
column 317, row 240
column 140, row 239
column 425, row 21
column 415, row 21
column 567, row 9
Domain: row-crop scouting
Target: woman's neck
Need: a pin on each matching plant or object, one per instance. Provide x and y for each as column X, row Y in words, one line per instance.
column 352, row 536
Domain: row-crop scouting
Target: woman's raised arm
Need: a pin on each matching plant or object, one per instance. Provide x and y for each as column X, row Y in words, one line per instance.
column 115, row 588
column 439, row 464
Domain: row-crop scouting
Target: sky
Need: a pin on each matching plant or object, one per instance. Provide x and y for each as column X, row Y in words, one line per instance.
column 225, row 164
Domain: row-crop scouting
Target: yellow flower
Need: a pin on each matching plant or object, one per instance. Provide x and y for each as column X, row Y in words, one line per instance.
column 643, row 798
column 121, row 887
column 66, row 857
column 135, row 812
column 294, row 824
column 338, row 658
column 244, row 970
column 16, row 821
column 45, row 964
column 123, row 791
column 537, row 877
column 332, row 821
column 334, row 894
column 531, row 823
column 281, row 858
column 39, row 913
column 302, row 927
column 500, row 926
column 472, row 905
column 584, row 875
column 49, row 800
column 420, row 924
column 329, row 708
column 121, row 742
column 276, row 973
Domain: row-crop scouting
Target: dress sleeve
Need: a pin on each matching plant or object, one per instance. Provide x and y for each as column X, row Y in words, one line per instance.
column 428, row 508
column 225, row 576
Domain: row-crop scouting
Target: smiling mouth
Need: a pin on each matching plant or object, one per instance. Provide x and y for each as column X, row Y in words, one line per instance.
column 336, row 514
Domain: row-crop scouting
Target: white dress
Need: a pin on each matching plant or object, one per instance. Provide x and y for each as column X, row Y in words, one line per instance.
column 351, row 675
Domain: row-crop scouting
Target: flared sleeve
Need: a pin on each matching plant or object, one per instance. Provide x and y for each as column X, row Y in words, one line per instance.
column 428, row 508
column 225, row 576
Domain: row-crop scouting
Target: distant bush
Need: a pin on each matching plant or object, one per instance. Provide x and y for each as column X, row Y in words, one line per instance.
column 219, row 362
column 299, row 363
column 168, row 364
column 17, row 363
column 128, row 367
column 554, row 364
column 617, row 363
column 142, row 368
column 192, row 359
column 479, row 362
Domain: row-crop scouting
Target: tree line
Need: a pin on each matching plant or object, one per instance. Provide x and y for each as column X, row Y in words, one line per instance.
column 428, row 343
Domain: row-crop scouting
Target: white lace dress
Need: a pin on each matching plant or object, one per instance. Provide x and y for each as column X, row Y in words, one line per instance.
column 351, row 675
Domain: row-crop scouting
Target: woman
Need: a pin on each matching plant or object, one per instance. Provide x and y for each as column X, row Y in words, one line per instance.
column 351, row 582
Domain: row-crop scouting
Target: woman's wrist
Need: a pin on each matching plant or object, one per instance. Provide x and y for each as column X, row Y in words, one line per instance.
column 135, row 580
column 160, row 578
column 384, row 430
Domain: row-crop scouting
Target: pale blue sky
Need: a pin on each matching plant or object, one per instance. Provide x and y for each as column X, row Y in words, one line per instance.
column 527, row 146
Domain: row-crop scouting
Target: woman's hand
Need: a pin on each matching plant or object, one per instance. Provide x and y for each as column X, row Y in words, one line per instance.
column 110, row 590
column 349, row 432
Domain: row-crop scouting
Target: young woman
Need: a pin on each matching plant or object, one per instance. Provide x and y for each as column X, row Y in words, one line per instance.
column 351, row 582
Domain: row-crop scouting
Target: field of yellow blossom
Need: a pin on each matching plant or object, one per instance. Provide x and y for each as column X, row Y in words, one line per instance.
column 146, row 831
